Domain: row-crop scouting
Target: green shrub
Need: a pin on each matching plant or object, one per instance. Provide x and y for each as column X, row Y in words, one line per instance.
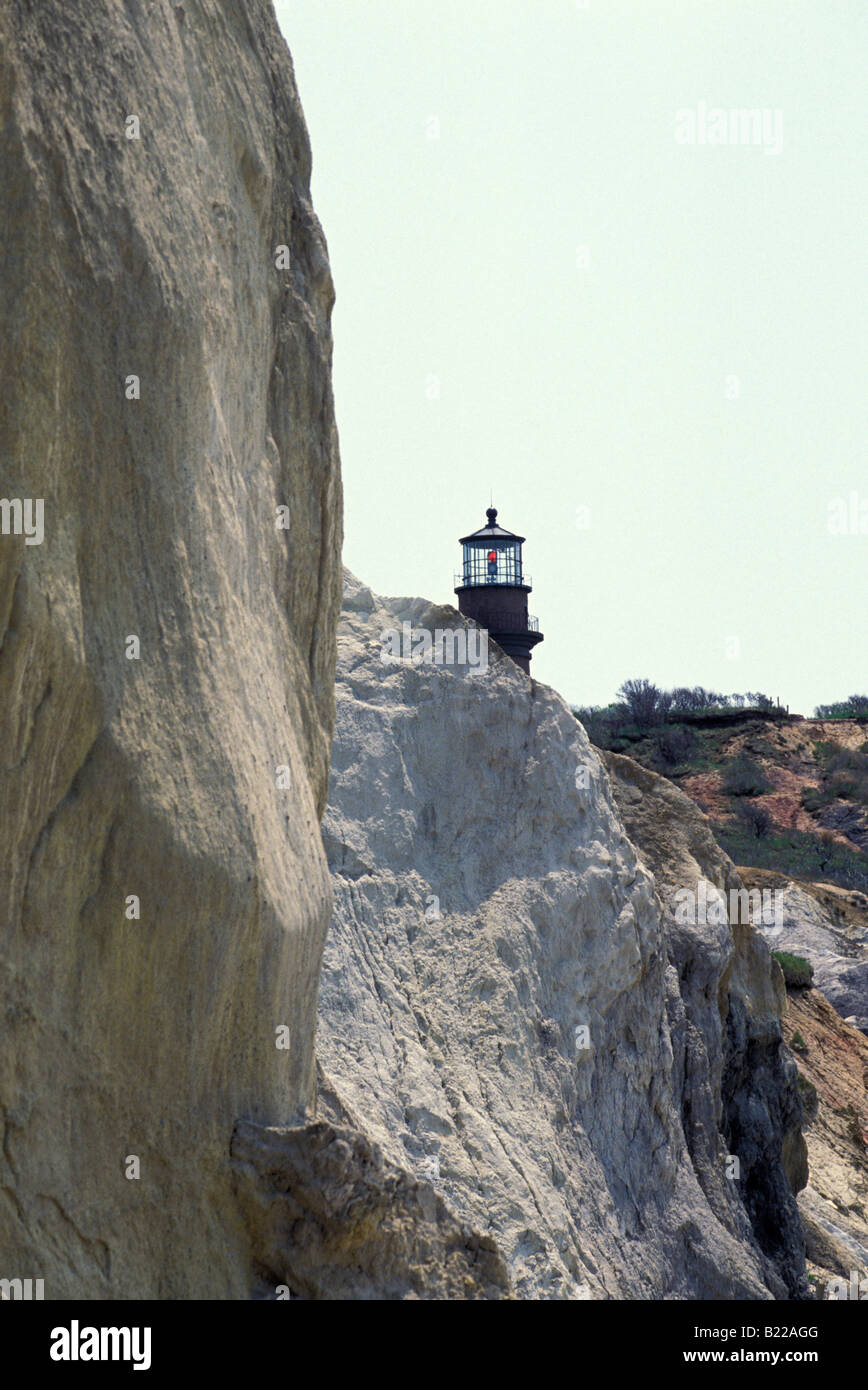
column 854, row 708
column 608, row 727
column 815, row 798
column 743, row 777
column 850, row 787
column 798, row 972
column 846, row 760
column 797, row 1043
column 844, row 776
column 756, row 818
column 643, row 700
column 675, row 744
column 808, row 1096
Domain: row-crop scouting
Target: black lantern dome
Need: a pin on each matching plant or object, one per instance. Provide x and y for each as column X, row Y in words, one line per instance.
column 492, row 588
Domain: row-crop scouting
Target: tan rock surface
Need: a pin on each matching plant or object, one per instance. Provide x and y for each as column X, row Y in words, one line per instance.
column 156, row 777
column 738, row 1075
column 331, row 1218
column 832, row 1059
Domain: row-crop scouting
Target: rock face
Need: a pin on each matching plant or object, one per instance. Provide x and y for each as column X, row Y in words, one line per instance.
column 504, row 1008
column 739, row 1077
column 835, row 945
column 329, row 1218
column 833, row 1077
column 152, row 775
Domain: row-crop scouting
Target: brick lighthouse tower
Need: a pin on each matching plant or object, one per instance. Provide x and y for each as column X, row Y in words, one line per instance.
column 492, row 589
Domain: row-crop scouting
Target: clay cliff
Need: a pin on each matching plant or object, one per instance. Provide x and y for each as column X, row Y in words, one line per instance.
column 739, row 1075
column 167, row 389
column 508, row 1007
column 826, row 926
column 833, row 1080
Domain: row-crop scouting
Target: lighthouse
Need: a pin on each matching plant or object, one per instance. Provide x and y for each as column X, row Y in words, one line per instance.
column 492, row 589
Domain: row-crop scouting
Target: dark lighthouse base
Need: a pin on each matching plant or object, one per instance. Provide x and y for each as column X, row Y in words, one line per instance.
column 518, row 645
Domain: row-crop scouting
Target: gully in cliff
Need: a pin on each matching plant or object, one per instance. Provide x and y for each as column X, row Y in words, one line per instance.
column 492, row 589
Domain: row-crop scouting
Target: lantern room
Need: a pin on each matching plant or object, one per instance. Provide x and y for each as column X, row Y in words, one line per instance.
column 492, row 588
column 492, row 555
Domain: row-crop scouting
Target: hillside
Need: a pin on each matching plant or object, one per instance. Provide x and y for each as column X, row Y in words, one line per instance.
column 783, row 793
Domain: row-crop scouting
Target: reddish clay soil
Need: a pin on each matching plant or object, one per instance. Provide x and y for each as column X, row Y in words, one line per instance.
column 791, row 769
column 784, row 804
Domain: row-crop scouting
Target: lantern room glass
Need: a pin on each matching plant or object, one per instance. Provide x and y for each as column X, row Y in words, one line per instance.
column 492, row 562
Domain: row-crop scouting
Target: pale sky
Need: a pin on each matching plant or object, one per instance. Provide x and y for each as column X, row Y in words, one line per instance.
column 544, row 294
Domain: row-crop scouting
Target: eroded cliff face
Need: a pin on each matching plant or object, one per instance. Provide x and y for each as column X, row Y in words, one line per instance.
column 154, row 775
column 739, row 1079
column 330, row 1218
column 827, row 925
column 503, row 1008
column 833, row 1080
